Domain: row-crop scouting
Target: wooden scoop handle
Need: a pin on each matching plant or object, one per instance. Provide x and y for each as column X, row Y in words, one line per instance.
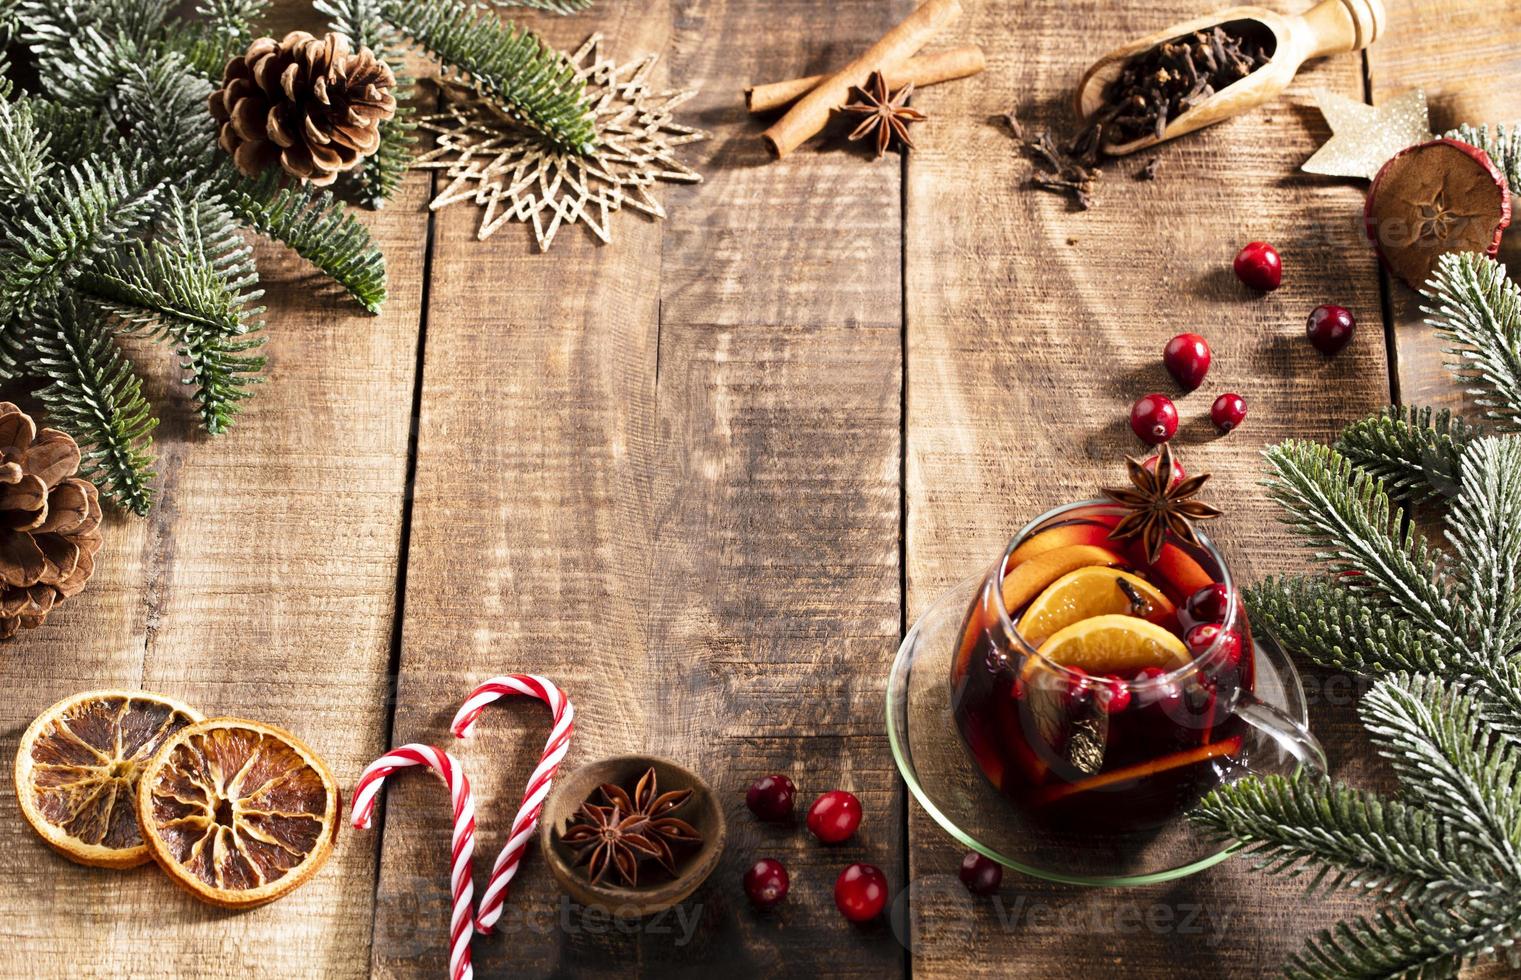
column 1338, row 26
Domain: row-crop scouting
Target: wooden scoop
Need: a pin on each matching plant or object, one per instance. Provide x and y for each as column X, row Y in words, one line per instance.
column 1330, row 27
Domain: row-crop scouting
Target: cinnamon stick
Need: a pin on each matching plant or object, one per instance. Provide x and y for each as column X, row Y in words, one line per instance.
column 927, row 69
column 811, row 113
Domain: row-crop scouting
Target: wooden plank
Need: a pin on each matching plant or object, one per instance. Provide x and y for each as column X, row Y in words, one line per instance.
column 664, row 472
column 261, row 586
column 1031, row 328
column 529, row 539
column 1466, row 55
column 775, row 597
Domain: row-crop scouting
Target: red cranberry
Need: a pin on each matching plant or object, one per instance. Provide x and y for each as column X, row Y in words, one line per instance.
column 834, row 816
column 1259, row 266
column 1187, row 357
column 771, row 797
column 1206, row 635
column 1077, row 684
column 1163, row 693
column 1113, row 693
column 981, row 875
column 766, row 883
column 1154, row 418
column 1228, row 411
column 1209, row 604
column 1330, row 328
column 860, row 892
column 1149, row 464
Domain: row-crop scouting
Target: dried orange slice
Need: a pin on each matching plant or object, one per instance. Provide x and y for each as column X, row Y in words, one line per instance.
column 1114, row 644
column 77, row 770
column 238, row 813
column 1089, row 592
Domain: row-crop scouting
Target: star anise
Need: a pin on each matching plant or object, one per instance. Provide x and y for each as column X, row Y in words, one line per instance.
column 1159, row 504
column 650, row 807
column 606, row 838
column 887, row 114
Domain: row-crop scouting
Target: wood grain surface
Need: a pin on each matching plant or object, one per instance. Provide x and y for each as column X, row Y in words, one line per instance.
column 706, row 475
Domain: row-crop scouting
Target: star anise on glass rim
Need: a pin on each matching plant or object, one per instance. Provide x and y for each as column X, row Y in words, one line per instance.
column 1158, row 504
column 607, row 838
column 887, row 114
column 650, row 806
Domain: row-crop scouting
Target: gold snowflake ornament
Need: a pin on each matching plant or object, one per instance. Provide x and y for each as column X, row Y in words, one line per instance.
column 514, row 174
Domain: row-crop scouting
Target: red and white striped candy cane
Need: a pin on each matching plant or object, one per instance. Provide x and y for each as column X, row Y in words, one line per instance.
column 462, row 890
column 539, row 783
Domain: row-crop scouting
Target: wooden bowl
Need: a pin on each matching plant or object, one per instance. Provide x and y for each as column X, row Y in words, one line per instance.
column 702, row 811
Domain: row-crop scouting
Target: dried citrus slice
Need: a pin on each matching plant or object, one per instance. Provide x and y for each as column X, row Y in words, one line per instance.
column 1114, row 644
column 1025, row 581
column 238, row 813
column 77, row 769
column 1089, row 592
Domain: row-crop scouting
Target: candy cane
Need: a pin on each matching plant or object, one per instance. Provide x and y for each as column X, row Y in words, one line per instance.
column 453, row 775
column 527, row 817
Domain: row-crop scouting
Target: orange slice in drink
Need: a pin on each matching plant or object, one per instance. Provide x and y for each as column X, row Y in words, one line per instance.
column 78, row 766
column 1089, row 592
column 238, row 813
column 1027, row 580
column 1113, row 644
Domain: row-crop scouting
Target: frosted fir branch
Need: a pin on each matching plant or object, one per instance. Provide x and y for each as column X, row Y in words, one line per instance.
column 1415, row 451
column 1337, row 837
column 1474, row 307
column 1346, row 518
column 1450, row 764
column 1338, row 628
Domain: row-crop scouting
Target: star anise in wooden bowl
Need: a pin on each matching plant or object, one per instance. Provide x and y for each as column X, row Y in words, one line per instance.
column 631, row 832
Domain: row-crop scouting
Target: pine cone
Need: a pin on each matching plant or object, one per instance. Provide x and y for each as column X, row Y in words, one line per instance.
column 49, row 521
column 313, row 106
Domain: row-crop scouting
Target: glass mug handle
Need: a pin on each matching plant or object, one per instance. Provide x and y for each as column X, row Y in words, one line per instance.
column 1290, row 736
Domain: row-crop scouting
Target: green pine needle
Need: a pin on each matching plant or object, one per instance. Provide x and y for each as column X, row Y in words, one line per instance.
column 221, row 29
column 1451, row 765
column 1415, row 451
column 192, row 283
column 1474, row 307
column 315, row 226
column 94, row 395
column 1338, row 837
column 53, row 238
column 363, row 23
column 514, row 67
column 1346, row 517
column 1339, row 628
column 24, row 157
column 1404, row 944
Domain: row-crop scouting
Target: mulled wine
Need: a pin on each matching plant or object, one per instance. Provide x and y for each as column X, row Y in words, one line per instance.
column 1097, row 688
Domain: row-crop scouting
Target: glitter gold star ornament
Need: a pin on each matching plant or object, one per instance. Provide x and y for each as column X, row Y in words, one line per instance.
column 514, row 174
column 1364, row 137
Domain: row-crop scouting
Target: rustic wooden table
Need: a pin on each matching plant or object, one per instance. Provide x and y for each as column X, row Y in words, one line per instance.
column 704, row 477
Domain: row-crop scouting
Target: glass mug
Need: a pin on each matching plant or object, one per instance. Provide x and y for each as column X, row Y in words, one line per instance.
column 1166, row 721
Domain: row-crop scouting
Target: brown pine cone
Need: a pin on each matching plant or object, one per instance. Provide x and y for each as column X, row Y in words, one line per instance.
column 314, row 107
column 49, row 521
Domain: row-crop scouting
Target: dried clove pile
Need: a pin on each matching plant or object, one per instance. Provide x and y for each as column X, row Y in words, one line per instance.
column 1153, row 88
column 1166, row 81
